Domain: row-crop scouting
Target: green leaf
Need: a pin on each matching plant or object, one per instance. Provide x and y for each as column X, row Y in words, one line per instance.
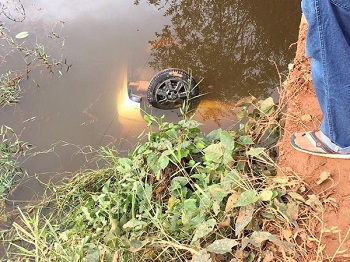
column 200, row 145
column 2, row 189
column 266, row 195
column 124, row 165
column 217, row 192
column 171, row 133
column 231, row 180
column 163, row 161
column 246, row 198
column 245, row 101
column 216, row 207
column 214, row 135
column 245, row 140
column 93, row 255
column 152, row 162
column 87, row 213
column 189, row 124
column 222, row 246
column 134, row 224
column 214, row 153
column 242, row 114
column 267, row 107
column 178, row 182
column 204, row 229
column 244, row 217
column 178, row 186
column 136, row 245
column 255, row 152
column 227, row 140
column 183, row 152
column 190, row 205
column 227, row 158
column 22, row 35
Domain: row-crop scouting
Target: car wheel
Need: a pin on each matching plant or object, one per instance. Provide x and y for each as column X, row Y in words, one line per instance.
column 170, row 88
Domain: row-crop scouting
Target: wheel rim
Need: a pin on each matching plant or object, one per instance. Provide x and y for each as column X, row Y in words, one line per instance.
column 170, row 91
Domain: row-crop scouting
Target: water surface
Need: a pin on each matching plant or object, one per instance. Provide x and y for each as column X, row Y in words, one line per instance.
column 234, row 46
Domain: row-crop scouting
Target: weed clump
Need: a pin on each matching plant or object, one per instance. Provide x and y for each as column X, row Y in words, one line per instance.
column 181, row 195
column 11, row 150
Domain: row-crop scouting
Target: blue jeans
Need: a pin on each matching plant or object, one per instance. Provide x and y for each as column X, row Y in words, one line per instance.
column 328, row 45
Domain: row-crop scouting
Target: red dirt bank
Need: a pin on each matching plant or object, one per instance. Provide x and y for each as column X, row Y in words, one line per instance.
column 303, row 113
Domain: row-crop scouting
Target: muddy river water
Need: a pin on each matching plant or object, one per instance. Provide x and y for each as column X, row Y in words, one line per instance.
column 235, row 46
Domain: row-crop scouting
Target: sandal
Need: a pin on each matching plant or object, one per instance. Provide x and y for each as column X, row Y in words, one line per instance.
column 320, row 148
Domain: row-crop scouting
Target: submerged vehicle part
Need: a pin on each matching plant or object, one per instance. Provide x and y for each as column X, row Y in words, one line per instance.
column 168, row 89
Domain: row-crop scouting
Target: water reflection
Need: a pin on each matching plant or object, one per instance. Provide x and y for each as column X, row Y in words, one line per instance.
column 229, row 43
column 109, row 43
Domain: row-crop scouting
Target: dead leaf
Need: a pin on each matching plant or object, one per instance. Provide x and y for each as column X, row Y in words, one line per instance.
column 268, row 257
column 290, row 68
column 259, row 237
column 280, row 180
column 313, row 201
column 287, row 234
column 306, row 118
column 231, row 201
column 332, row 230
column 222, row 246
column 244, row 217
column 225, row 223
column 240, row 254
column 117, row 257
column 323, row 177
column 296, row 196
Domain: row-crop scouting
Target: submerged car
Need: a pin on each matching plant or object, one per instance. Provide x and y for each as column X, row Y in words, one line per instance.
column 168, row 89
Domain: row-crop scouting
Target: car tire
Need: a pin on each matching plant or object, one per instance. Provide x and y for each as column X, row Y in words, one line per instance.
column 169, row 88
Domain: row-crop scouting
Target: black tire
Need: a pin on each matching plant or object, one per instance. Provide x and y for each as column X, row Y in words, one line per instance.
column 170, row 88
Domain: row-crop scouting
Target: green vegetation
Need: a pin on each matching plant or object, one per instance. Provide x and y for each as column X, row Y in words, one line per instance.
column 180, row 195
column 11, row 150
column 9, row 88
column 34, row 56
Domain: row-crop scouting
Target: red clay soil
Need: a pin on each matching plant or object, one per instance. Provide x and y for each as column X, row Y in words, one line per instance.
column 303, row 114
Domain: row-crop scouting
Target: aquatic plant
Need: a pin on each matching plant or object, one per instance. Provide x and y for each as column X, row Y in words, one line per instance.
column 34, row 56
column 10, row 89
column 11, row 150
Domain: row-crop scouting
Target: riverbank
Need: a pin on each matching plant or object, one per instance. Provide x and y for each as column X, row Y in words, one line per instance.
column 326, row 177
column 216, row 196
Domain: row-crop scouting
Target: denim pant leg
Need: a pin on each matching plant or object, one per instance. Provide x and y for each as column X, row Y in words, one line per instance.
column 328, row 44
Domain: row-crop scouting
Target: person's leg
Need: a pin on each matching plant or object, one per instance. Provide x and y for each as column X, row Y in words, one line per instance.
column 328, row 44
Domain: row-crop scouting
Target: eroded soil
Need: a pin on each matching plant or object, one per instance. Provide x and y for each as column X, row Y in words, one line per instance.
column 304, row 114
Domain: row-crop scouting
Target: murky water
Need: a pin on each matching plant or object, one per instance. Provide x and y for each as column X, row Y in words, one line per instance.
column 233, row 45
